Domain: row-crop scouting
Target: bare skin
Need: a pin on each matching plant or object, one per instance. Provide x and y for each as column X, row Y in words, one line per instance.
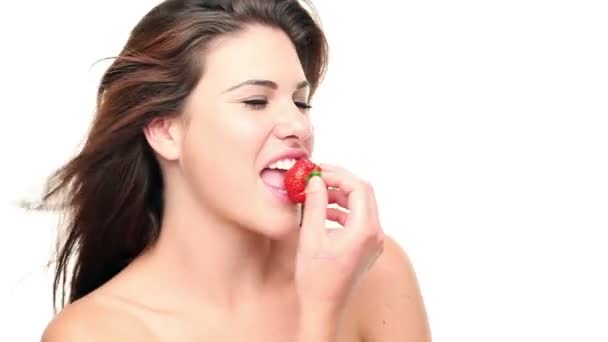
column 386, row 306
column 231, row 262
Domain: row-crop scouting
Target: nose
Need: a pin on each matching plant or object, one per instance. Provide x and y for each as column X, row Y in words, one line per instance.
column 293, row 125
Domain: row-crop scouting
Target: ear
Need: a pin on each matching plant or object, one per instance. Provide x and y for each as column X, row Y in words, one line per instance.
column 164, row 134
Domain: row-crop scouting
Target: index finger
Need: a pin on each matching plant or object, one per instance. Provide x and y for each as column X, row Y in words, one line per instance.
column 353, row 189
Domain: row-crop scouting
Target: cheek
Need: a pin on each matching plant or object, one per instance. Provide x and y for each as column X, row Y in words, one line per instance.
column 310, row 143
column 222, row 136
column 236, row 139
column 220, row 155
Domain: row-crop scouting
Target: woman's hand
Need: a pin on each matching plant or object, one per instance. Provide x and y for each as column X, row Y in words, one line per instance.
column 330, row 263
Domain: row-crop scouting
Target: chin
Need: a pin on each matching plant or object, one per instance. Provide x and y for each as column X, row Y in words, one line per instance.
column 279, row 229
column 273, row 219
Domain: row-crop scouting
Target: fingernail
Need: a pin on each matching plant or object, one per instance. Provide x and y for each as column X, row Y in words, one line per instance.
column 314, row 184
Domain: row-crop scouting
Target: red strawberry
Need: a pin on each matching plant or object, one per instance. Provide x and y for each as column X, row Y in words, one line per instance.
column 297, row 177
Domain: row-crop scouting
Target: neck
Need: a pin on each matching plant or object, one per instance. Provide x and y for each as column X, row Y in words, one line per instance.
column 204, row 259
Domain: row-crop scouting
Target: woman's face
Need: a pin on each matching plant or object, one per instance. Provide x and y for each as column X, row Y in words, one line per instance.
column 248, row 111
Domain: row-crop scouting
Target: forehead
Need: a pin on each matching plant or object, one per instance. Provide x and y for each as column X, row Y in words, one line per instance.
column 257, row 52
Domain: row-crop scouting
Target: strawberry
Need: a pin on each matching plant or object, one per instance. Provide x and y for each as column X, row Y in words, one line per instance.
column 297, row 177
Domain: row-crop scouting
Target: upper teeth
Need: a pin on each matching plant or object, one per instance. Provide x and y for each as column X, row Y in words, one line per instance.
column 283, row 164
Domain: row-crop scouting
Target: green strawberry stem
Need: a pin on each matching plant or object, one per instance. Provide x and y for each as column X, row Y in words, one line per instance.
column 315, row 172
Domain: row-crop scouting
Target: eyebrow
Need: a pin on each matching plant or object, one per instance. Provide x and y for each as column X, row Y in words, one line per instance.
column 265, row 83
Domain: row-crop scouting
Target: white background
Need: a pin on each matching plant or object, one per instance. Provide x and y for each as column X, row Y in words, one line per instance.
column 482, row 124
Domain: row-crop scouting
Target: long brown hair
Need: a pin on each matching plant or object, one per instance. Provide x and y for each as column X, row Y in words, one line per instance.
column 112, row 190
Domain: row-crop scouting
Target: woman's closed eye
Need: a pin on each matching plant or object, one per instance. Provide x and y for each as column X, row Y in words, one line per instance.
column 303, row 105
column 262, row 103
column 256, row 103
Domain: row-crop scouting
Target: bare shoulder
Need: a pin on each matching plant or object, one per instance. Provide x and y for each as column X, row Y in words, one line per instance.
column 389, row 304
column 94, row 319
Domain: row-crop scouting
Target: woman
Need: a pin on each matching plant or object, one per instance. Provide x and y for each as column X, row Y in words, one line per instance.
column 179, row 230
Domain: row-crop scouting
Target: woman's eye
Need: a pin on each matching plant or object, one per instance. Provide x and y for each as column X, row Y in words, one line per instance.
column 303, row 105
column 262, row 103
column 256, row 103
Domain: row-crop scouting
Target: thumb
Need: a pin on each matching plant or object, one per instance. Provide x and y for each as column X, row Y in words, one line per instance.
column 315, row 211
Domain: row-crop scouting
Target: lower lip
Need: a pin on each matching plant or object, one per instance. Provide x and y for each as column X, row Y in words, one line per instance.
column 280, row 194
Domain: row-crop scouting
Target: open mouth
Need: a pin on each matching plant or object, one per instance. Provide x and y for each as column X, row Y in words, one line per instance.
column 274, row 174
